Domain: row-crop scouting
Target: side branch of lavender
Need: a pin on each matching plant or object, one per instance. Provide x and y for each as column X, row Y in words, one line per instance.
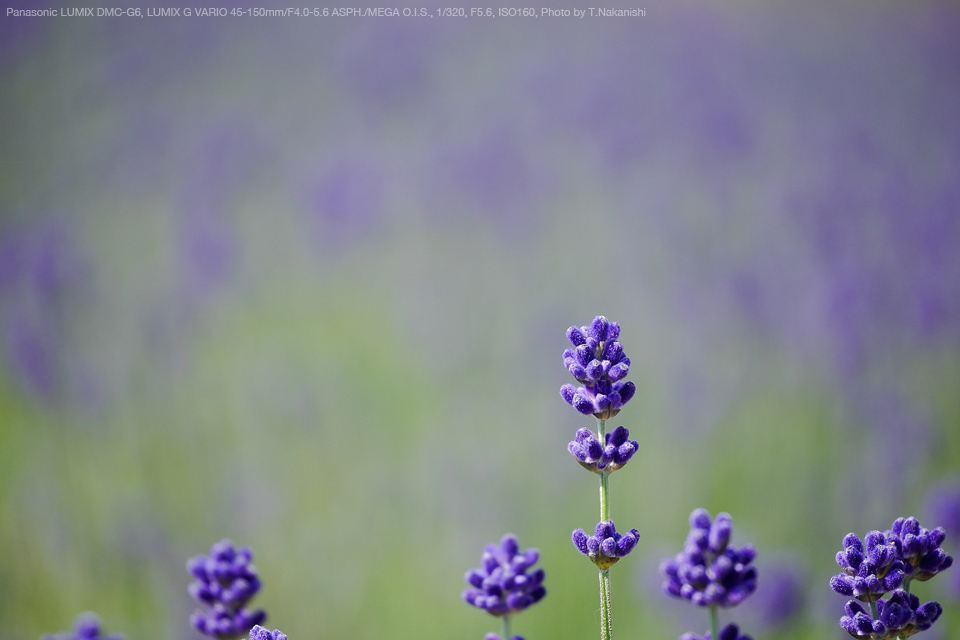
column 598, row 363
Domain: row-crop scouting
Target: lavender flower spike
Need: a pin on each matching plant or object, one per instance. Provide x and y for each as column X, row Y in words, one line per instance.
column 259, row 633
column 709, row 572
column 494, row 636
column 729, row 632
column 226, row 580
column 606, row 546
column 919, row 549
column 869, row 571
column 598, row 363
column 502, row 586
column 87, row 627
column 591, row 456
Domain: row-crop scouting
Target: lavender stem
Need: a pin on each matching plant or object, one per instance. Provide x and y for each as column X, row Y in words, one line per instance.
column 606, row 628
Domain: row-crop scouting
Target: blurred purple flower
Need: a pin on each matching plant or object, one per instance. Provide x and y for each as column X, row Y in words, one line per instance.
column 225, row 581
column 347, row 202
column 44, row 279
column 386, row 62
column 491, row 173
column 20, row 36
column 943, row 506
column 780, row 602
column 34, row 352
column 87, row 627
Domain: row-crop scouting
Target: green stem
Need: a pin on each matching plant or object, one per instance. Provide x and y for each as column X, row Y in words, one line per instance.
column 604, row 490
column 714, row 624
column 606, row 629
column 874, row 611
column 506, row 627
column 606, row 632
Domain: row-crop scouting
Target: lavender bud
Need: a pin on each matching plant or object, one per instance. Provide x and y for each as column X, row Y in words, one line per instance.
column 606, row 546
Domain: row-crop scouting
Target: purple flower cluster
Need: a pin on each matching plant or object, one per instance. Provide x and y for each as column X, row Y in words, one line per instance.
column 729, row 632
column 259, row 633
column 226, row 580
column 598, row 363
column 885, row 563
column 502, row 586
column 606, row 546
column 919, row 549
column 869, row 571
column 709, row 572
column 616, row 452
column 901, row 615
column 87, row 627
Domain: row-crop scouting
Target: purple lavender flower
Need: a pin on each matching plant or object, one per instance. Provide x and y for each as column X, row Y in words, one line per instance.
column 591, row 456
column 226, row 580
column 87, row 627
column 259, row 633
column 729, row 632
column 494, row 636
column 598, row 363
column 502, row 586
column 871, row 572
column 708, row 572
column 606, row 546
column 919, row 549
column 901, row 615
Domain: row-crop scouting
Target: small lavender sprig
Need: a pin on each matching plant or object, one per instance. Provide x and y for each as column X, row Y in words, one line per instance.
column 709, row 572
column 502, row 586
column 86, row 627
column 225, row 580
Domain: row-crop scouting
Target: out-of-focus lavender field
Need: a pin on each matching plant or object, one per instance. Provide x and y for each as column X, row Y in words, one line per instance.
column 304, row 283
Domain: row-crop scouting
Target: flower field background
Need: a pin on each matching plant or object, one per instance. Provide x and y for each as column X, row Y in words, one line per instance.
column 304, row 284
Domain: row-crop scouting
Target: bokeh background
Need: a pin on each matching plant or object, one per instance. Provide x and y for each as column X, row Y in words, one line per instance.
column 304, row 284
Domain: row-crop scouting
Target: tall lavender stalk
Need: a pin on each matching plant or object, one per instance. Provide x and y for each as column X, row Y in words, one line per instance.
column 597, row 362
